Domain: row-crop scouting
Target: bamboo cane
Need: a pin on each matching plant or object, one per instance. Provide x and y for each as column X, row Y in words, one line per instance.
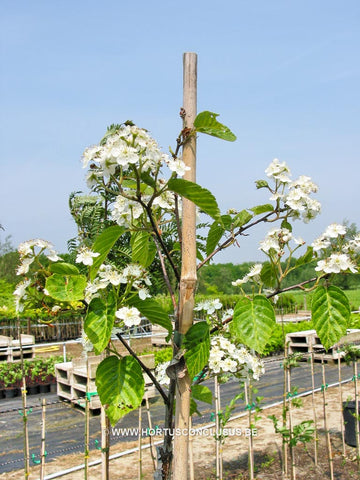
column 217, row 428
column 291, row 448
column 191, row 454
column 284, row 469
column 25, row 419
column 139, row 445
column 152, row 453
column 87, row 425
column 327, row 433
column 105, row 445
column 341, row 411
column 188, row 268
column 250, row 439
column 43, row 433
column 316, row 442
column 357, row 434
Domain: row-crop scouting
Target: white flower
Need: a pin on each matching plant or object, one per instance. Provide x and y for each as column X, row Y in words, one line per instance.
column 177, row 166
column 160, row 373
column 279, row 171
column 336, row 263
column 334, row 230
column 23, row 268
column 109, row 274
column 53, row 256
column 86, row 256
column 320, row 243
column 209, row 306
column 165, row 200
column 125, row 210
column 130, row 315
column 86, row 343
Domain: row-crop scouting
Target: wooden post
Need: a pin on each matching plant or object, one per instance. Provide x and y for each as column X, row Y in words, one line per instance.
column 105, row 445
column 188, row 269
column 43, row 432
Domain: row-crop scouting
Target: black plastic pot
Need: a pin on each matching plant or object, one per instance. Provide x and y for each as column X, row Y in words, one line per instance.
column 349, row 421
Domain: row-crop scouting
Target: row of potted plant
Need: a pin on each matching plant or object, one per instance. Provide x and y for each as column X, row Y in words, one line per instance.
column 38, row 371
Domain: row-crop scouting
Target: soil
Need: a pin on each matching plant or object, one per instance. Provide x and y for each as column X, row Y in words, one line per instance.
column 267, row 447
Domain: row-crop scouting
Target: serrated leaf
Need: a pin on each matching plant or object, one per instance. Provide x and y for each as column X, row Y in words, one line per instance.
column 242, row 218
column 120, row 385
column 330, row 313
column 306, row 258
column 66, row 288
column 153, row 311
column 99, row 321
column 103, row 244
column 197, row 346
column 205, row 122
column 202, row 393
column 253, row 322
column 63, row 268
column 204, row 199
column 259, row 209
column 148, row 179
column 216, row 231
column 143, row 248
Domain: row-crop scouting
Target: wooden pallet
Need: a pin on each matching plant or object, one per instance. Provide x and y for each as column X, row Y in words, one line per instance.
column 75, row 382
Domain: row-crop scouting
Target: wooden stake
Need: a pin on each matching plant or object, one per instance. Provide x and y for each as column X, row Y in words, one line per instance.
column 139, row 445
column 341, row 409
column 291, row 448
column 217, row 429
column 316, row 438
column 152, row 453
column 87, row 425
column 188, row 269
column 191, row 454
column 251, row 449
column 43, row 432
column 105, row 445
column 327, row 433
column 357, row 434
column 25, row 420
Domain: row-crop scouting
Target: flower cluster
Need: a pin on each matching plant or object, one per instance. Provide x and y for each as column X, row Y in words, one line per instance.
column 161, row 375
column 297, row 198
column 30, row 250
column 209, row 306
column 227, row 358
column 253, row 275
column 276, row 240
column 339, row 259
column 132, row 275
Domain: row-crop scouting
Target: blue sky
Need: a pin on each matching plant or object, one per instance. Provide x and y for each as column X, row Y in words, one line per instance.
column 283, row 75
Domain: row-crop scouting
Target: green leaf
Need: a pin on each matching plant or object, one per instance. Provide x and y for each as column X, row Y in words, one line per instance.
column 204, row 199
column 153, row 311
column 261, row 184
column 253, row 322
column 120, row 385
column 201, row 393
column 330, row 313
column 242, row 218
column 63, row 268
column 197, row 346
column 259, row 209
column 99, row 321
column 103, row 244
column 306, row 258
column 194, row 407
column 268, row 275
column 287, row 225
column 143, row 248
column 148, row 179
column 66, row 288
column 216, row 231
column 205, row 122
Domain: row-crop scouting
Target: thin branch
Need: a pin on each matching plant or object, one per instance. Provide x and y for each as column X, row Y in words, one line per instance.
column 241, row 230
column 145, row 368
column 165, row 274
